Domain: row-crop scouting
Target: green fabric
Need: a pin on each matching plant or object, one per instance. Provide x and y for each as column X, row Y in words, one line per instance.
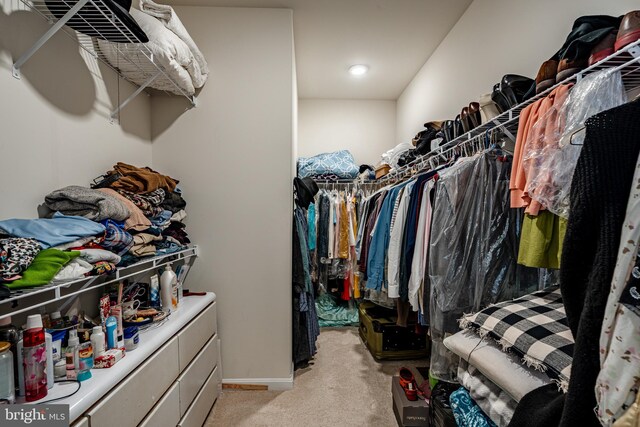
column 541, row 240
column 332, row 314
column 43, row 268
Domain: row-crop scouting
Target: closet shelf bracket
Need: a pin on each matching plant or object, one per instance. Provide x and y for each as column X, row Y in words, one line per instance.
column 137, row 92
column 15, row 69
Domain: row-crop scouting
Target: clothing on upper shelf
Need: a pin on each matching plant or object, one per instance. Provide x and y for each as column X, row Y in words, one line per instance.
column 16, row 255
column 140, row 180
column 43, row 269
column 52, row 231
column 148, row 203
column 86, row 202
column 136, row 219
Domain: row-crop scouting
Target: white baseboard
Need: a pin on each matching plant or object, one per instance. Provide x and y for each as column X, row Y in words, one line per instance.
column 274, row 384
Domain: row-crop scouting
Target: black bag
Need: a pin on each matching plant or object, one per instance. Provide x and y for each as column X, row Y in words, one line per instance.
column 440, row 412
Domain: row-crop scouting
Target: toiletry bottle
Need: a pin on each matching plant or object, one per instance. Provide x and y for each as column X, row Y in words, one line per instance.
column 34, row 354
column 131, row 338
column 85, row 361
column 112, row 334
column 71, row 355
column 48, row 340
column 168, row 289
column 7, row 387
column 97, row 341
column 154, row 291
column 56, row 320
column 9, row 333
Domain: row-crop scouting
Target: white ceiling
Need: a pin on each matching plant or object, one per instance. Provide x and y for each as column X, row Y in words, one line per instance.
column 393, row 37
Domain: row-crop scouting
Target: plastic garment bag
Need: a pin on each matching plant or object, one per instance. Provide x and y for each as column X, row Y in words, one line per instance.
column 559, row 132
column 473, row 249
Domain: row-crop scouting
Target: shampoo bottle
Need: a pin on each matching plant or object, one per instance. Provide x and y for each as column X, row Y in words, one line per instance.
column 97, row 341
column 168, row 281
column 34, row 355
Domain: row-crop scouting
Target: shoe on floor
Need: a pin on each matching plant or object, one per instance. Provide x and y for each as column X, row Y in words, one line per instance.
column 408, row 384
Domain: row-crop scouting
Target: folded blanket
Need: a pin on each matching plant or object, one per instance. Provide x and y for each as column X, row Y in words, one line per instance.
column 136, row 220
column 53, row 231
column 535, row 327
column 466, row 412
column 506, row 370
column 43, row 269
column 140, row 180
column 493, row 401
column 86, row 202
column 143, row 244
column 170, row 20
column 16, row 255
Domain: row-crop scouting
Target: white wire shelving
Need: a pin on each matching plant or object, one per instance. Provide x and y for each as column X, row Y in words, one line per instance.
column 626, row 60
column 24, row 300
column 98, row 20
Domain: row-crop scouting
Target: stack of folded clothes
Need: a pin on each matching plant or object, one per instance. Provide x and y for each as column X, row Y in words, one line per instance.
column 133, row 213
column 512, row 348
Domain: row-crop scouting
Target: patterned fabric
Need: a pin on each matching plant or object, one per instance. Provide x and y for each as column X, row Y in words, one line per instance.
column 340, row 163
column 466, row 412
column 16, row 254
column 494, row 401
column 619, row 378
column 535, row 327
column 116, row 239
column 102, row 267
column 148, row 203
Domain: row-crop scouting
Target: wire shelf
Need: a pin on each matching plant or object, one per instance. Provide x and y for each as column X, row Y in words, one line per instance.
column 626, row 60
column 98, row 22
column 23, row 300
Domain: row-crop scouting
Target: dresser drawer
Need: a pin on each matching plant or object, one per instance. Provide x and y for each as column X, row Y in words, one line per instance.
column 199, row 409
column 166, row 413
column 197, row 372
column 130, row 401
column 195, row 335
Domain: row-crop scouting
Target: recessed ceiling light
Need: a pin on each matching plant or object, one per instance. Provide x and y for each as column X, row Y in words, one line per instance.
column 358, row 70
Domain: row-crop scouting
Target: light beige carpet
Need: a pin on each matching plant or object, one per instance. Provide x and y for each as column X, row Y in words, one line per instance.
column 344, row 387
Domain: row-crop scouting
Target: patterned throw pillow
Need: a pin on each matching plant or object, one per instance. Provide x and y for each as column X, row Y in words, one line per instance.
column 340, row 163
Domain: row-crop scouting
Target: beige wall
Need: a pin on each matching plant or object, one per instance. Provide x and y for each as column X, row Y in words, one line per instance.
column 492, row 38
column 364, row 127
column 233, row 156
column 55, row 126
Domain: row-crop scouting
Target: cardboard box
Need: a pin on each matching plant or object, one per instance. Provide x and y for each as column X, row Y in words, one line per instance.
column 408, row 413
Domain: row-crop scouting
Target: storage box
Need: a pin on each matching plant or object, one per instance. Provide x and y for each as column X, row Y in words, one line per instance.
column 408, row 413
column 387, row 341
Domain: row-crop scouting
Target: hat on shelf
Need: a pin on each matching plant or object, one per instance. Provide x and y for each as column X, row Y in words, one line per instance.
column 101, row 19
column 306, row 189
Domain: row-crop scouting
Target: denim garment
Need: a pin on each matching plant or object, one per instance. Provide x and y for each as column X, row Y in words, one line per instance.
column 380, row 242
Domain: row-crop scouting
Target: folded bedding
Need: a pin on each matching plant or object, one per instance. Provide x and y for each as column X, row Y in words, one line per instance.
column 339, row 163
column 533, row 326
column 54, row 231
column 86, row 202
column 16, row 255
column 168, row 50
column 501, row 368
column 168, row 17
column 496, row 403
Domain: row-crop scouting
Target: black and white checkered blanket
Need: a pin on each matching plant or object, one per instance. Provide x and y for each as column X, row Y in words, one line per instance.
column 534, row 327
